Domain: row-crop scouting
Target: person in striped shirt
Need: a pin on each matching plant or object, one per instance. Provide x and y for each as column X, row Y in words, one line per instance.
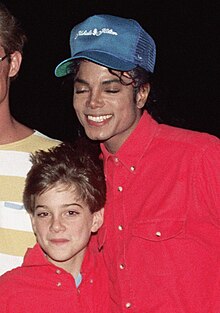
column 17, row 141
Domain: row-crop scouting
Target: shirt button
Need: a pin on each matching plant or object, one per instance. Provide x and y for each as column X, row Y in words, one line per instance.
column 158, row 234
column 120, row 227
column 128, row 305
column 120, row 188
column 122, row 266
column 132, row 168
column 58, row 271
column 116, row 160
column 59, row 284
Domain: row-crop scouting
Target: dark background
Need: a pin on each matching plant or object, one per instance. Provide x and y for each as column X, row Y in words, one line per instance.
column 186, row 75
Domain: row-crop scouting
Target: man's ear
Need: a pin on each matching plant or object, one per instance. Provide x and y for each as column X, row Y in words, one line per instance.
column 15, row 63
column 142, row 95
column 98, row 218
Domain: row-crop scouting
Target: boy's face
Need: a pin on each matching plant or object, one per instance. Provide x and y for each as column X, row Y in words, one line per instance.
column 63, row 225
column 106, row 107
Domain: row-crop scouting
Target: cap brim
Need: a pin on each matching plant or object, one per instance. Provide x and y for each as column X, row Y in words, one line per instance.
column 98, row 57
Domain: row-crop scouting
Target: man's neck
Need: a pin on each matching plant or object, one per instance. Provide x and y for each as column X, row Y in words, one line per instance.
column 12, row 131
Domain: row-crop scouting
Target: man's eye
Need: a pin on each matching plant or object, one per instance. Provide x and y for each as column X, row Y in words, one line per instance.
column 112, row 90
column 80, row 90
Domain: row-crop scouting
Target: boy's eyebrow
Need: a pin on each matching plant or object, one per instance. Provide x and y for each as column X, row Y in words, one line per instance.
column 64, row 205
column 39, row 206
column 74, row 203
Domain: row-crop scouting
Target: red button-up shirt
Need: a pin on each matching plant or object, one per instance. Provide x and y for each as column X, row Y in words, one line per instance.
column 41, row 287
column 161, row 238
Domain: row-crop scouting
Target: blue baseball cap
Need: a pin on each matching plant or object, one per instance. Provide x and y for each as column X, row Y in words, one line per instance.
column 114, row 42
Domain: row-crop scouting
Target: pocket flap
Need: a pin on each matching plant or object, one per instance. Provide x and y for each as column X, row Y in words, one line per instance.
column 158, row 229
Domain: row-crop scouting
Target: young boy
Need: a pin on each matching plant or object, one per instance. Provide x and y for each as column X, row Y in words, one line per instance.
column 64, row 195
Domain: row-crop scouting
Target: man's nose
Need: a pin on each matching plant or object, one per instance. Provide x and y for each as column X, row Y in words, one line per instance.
column 95, row 100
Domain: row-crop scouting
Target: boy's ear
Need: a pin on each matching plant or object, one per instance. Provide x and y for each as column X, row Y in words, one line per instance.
column 32, row 223
column 15, row 63
column 98, row 218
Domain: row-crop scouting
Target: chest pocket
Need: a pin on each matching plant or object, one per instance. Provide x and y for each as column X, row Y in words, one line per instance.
column 159, row 229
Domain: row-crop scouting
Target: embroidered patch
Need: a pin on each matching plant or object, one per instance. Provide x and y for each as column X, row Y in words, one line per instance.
column 95, row 32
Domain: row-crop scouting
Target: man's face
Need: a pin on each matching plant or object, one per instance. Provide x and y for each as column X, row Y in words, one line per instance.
column 104, row 106
column 63, row 224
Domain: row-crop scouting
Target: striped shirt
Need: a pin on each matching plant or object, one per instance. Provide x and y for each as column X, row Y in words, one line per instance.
column 15, row 227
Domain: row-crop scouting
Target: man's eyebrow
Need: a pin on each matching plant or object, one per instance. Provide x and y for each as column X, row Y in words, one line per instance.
column 79, row 80
column 105, row 82
column 110, row 81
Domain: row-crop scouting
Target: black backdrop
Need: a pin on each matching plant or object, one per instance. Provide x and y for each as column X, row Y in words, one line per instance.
column 187, row 69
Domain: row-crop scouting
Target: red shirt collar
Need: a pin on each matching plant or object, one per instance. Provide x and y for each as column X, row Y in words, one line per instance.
column 140, row 138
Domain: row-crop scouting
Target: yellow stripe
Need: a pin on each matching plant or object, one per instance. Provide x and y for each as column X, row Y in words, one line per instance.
column 15, row 242
column 31, row 144
column 11, row 188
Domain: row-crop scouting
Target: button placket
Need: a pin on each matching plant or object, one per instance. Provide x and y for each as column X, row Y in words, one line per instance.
column 58, row 272
column 121, row 178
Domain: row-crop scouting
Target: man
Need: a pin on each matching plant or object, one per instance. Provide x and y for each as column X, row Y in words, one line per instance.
column 16, row 143
column 161, row 239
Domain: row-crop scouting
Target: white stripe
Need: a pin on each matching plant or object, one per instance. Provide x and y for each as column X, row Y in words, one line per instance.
column 13, row 217
column 14, row 163
column 8, row 262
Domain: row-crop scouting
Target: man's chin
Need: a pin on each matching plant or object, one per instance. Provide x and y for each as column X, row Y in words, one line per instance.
column 94, row 134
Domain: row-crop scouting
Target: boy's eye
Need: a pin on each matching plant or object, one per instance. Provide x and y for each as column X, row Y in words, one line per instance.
column 71, row 213
column 42, row 214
